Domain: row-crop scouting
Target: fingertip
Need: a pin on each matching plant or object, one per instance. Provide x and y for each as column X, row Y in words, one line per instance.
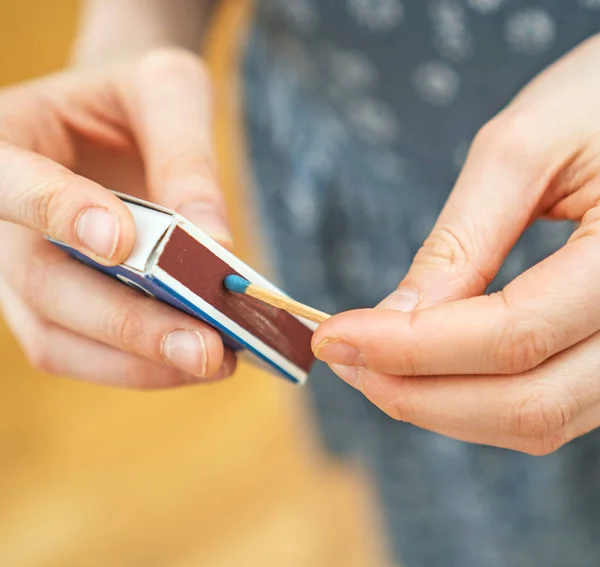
column 105, row 230
column 322, row 333
column 215, row 353
column 226, row 370
column 67, row 207
column 337, row 327
column 228, row 367
column 198, row 352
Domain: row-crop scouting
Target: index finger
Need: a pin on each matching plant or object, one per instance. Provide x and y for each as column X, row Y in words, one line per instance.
column 42, row 195
column 549, row 308
column 513, row 166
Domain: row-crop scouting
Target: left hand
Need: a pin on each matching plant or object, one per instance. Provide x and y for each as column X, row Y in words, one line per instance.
column 142, row 126
column 518, row 369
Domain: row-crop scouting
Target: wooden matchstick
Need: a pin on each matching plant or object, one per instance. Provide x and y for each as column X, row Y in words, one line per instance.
column 238, row 284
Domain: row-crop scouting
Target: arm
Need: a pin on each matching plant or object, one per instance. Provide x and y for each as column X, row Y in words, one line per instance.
column 116, row 28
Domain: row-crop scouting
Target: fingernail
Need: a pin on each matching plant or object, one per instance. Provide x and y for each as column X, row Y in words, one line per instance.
column 337, row 351
column 405, row 299
column 97, row 230
column 209, row 220
column 185, row 350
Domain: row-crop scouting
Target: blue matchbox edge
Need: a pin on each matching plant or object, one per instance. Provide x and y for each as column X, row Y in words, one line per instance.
column 157, row 289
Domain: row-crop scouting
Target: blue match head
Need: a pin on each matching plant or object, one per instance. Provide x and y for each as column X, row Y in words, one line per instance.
column 237, row 284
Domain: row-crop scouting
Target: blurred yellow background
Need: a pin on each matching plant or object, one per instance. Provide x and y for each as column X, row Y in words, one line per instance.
column 221, row 475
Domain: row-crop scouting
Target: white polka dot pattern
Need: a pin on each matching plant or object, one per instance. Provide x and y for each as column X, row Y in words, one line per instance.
column 351, row 70
column 373, row 120
column 360, row 115
column 377, row 15
column 452, row 36
column 485, row 6
column 437, row 83
column 530, row 31
column 300, row 14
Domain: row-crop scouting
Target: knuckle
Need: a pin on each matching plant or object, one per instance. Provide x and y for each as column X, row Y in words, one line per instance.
column 444, row 244
column 45, row 203
column 407, row 359
column 543, row 447
column 591, row 216
column 125, row 327
column 39, row 359
column 591, row 42
column 521, row 346
column 589, row 225
column 37, row 351
column 510, row 137
column 408, row 362
column 402, row 406
column 541, row 417
column 447, row 245
column 32, row 280
column 521, row 350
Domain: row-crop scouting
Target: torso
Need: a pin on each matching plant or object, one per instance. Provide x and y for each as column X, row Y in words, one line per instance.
column 359, row 115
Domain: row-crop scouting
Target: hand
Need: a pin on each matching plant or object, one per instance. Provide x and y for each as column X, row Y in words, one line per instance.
column 519, row 369
column 144, row 128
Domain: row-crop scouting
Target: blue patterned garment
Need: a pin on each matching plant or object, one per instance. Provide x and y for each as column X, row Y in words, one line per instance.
column 359, row 116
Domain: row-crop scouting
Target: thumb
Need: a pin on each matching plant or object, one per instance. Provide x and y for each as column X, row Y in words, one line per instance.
column 40, row 194
column 491, row 205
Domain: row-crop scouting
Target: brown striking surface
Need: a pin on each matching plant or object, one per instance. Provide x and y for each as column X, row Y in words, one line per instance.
column 198, row 269
column 218, row 476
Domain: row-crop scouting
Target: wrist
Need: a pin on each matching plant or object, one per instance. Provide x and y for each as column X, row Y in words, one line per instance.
column 117, row 29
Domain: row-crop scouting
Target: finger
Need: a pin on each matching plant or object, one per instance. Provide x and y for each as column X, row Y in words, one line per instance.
column 505, row 174
column 549, row 308
column 512, row 162
column 44, row 196
column 535, row 412
column 172, row 109
column 62, row 291
column 67, row 354
column 54, row 350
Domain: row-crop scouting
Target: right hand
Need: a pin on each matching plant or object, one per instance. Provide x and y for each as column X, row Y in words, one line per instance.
column 151, row 117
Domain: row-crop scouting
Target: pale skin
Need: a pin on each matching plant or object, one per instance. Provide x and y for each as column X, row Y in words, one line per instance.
column 518, row 369
column 139, row 122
